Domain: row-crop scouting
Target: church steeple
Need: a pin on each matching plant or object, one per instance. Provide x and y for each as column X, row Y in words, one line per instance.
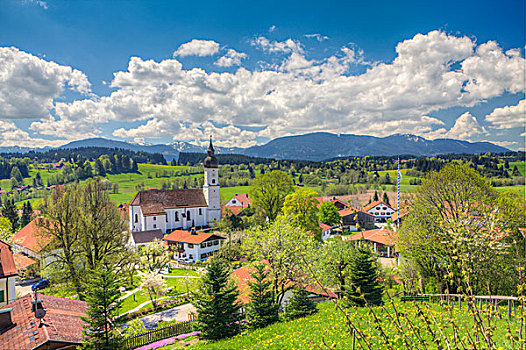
column 211, row 160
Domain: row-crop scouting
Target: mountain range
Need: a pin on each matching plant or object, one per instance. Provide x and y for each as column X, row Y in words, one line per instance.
column 314, row 146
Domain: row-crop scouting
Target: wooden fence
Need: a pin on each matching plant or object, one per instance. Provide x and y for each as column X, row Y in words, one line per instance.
column 480, row 301
column 158, row 334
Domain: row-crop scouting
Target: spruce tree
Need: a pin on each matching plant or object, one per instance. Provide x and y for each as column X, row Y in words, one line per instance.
column 386, row 199
column 262, row 309
column 300, row 305
column 363, row 281
column 375, row 198
column 10, row 211
column 216, row 303
column 102, row 296
column 27, row 212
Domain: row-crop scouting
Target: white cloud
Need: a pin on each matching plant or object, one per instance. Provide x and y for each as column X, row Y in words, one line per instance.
column 317, row 36
column 508, row 117
column 28, row 84
column 272, row 28
column 231, row 58
column 40, row 3
column 197, row 48
column 286, row 46
column 11, row 135
column 296, row 94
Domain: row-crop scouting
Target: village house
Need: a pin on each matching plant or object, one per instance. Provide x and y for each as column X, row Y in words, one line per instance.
column 170, row 210
column 354, row 219
column 338, row 203
column 28, row 245
column 140, row 239
column 382, row 241
column 8, row 273
column 327, row 231
column 239, row 200
column 60, row 328
column 381, row 211
column 192, row 245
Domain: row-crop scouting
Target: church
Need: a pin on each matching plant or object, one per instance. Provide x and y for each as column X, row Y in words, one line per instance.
column 168, row 210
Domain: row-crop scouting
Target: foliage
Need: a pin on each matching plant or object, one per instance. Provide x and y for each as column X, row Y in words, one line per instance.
column 363, row 286
column 300, row 305
column 216, row 303
column 102, row 295
column 10, row 212
column 155, row 256
column 281, row 245
column 262, row 309
column 268, row 192
column 300, row 208
column 136, row 327
column 328, row 214
column 27, row 214
column 154, row 284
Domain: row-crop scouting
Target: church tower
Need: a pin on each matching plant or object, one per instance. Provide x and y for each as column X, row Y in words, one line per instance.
column 211, row 186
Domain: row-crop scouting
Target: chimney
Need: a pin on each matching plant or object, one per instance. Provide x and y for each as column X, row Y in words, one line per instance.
column 5, row 319
column 193, row 232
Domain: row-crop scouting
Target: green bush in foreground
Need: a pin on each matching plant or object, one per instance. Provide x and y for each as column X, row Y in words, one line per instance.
column 300, row 305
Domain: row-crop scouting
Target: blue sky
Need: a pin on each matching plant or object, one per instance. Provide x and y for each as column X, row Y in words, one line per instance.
column 249, row 72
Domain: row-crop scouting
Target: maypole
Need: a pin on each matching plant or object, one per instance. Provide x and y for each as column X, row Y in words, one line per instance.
column 398, row 197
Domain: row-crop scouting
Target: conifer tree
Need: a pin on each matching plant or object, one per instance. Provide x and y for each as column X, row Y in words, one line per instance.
column 27, row 212
column 102, row 296
column 216, row 303
column 262, row 309
column 300, row 305
column 386, row 199
column 10, row 211
column 364, row 280
column 375, row 198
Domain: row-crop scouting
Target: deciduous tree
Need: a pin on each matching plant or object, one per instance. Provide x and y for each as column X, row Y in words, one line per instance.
column 268, row 192
column 328, row 214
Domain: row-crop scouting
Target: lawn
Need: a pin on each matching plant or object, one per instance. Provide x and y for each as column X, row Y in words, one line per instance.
column 329, row 327
column 182, row 272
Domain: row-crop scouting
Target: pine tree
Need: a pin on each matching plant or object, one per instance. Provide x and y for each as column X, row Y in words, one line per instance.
column 102, row 296
column 27, row 213
column 300, row 305
column 375, row 198
column 216, row 304
column 10, row 211
column 516, row 171
column 135, row 167
column 262, row 309
column 386, row 199
column 364, row 280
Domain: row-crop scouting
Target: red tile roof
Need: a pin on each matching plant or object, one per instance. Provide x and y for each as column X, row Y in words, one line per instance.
column 7, row 262
column 379, row 235
column 62, row 323
column 351, row 210
column 187, row 237
column 227, row 211
column 22, row 261
column 374, row 204
column 324, row 227
column 154, row 202
column 336, row 200
column 31, row 237
column 244, row 199
column 403, row 212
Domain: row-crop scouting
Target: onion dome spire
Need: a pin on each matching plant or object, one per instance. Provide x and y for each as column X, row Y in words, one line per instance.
column 211, row 160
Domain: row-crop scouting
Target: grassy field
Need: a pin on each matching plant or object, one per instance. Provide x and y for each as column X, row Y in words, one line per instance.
column 329, row 327
column 520, row 165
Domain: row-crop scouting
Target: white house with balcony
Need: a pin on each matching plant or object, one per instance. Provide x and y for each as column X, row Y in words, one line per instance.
column 169, row 210
column 380, row 210
column 192, row 245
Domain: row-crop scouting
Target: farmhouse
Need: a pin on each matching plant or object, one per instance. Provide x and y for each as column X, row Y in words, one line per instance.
column 28, row 245
column 8, row 274
column 354, row 219
column 192, row 245
column 169, row 210
column 239, row 200
column 380, row 210
column 381, row 239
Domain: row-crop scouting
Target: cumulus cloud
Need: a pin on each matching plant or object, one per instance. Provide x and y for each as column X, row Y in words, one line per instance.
column 11, row 135
column 508, row 117
column 231, row 58
column 197, row 48
column 297, row 94
column 272, row 28
column 28, row 84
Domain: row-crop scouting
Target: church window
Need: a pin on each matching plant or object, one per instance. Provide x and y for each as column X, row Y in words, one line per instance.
column 213, row 181
column 176, row 216
column 200, row 211
column 154, row 226
column 166, row 217
column 188, row 215
column 155, row 218
column 136, row 218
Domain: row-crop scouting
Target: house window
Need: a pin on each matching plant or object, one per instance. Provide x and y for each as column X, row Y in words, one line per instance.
column 191, row 256
column 154, row 226
column 190, row 245
column 384, row 208
column 2, row 297
column 203, row 245
column 209, row 244
column 216, row 242
column 136, row 218
column 176, row 216
column 200, row 211
column 188, row 215
column 166, row 217
column 377, row 208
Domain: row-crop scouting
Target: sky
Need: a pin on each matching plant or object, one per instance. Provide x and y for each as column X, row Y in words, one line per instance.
column 248, row 72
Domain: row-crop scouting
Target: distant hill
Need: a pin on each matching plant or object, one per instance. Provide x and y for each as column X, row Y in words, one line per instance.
column 324, row 146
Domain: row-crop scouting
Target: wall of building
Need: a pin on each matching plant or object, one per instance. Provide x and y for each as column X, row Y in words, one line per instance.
column 8, row 286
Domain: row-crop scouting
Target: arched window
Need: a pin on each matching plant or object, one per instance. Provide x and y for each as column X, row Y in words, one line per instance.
column 176, row 216
column 136, row 218
column 188, row 215
column 213, row 181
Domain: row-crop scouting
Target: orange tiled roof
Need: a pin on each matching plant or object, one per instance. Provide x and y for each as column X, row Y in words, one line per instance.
column 379, row 235
column 30, row 237
column 324, row 227
column 244, row 199
column 154, row 202
column 22, row 261
column 62, row 323
column 374, row 204
column 187, row 237
column 351, row 210
column 403, row 212
column 7, row 262
column 226, row 211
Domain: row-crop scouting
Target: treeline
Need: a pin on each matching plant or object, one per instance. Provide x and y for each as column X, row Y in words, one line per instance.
column 80, row 155
column 14, row 168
